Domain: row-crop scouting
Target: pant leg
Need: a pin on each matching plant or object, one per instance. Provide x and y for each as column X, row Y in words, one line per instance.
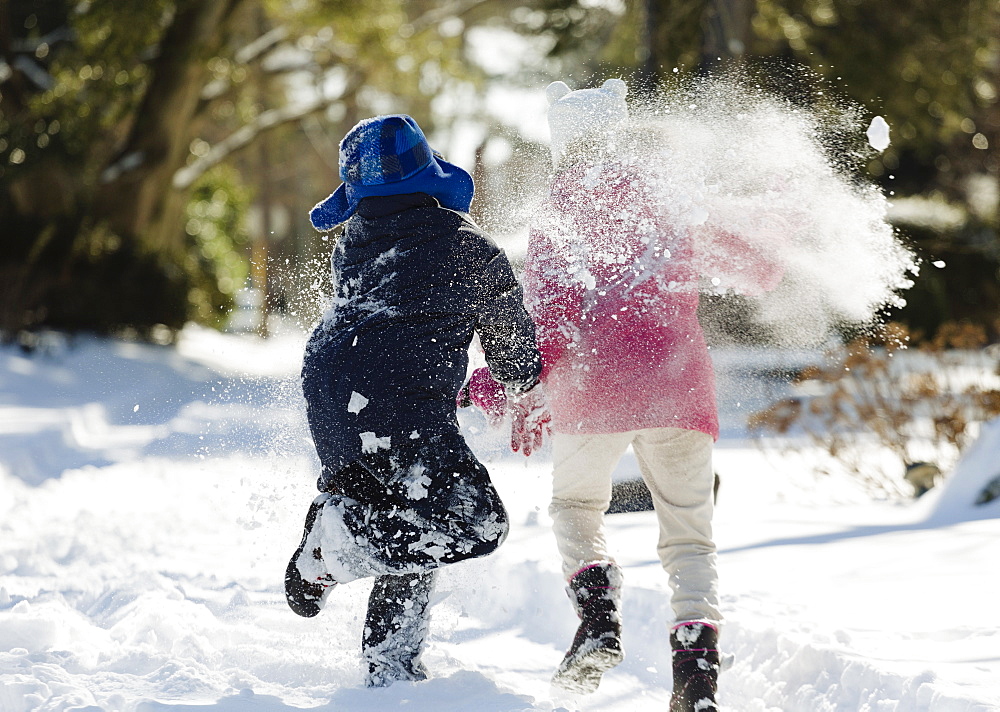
column 396, row 626
column 410, row 510
column 677, row 467
column 581, row 493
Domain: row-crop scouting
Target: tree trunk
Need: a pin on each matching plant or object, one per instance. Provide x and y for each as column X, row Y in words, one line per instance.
column 652, row 51
column 725, row 31
column 136, row 197
column 109, row 256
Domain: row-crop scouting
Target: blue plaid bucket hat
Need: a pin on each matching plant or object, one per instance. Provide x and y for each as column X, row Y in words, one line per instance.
column 389, row 155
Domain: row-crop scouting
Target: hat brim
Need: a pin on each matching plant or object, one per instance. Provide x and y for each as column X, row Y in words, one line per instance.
column 332, row 211
column 451, row 185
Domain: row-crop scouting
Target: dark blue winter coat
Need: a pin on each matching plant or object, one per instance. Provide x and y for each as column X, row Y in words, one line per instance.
column 413, row 281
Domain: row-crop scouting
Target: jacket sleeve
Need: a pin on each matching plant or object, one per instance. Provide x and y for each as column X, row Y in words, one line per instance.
column 745, row 244
column 505, row 330
column 740, row 264
column 554, row 304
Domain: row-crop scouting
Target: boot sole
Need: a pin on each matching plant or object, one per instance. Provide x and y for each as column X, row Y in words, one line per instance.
column 584, row 675
column 301, row 600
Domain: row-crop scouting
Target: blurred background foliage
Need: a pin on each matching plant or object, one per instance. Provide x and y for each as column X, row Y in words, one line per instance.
column 216, row 228
column 157, row 156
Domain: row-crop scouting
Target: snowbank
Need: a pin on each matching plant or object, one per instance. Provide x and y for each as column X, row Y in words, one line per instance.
column 142, row 550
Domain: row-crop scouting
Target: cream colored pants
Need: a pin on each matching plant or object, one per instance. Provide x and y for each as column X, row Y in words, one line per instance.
column 677, row 467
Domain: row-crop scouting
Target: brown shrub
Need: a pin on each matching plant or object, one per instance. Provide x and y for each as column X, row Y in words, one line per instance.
column 917, row 401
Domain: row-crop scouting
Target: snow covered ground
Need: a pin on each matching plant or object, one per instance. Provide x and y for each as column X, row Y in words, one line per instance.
column 150, row 497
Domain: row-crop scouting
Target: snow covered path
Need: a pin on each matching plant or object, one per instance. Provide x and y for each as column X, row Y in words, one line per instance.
column 150, row 497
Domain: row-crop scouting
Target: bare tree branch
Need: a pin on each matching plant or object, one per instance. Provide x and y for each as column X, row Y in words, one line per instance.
column 246, row 134
column 457, row 8
column 262, row 45
column 321, row 142
column 135, row 195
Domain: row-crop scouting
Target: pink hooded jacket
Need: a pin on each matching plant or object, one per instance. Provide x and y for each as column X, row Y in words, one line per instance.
column 613, row 290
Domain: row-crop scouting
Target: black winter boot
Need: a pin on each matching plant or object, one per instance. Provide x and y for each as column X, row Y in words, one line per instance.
column 396, row 627
column 597, row 647
column 695, row 655
column 305, row 597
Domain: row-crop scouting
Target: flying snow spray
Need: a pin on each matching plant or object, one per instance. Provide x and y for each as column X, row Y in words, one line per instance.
column 779, row 176
column 727, row 158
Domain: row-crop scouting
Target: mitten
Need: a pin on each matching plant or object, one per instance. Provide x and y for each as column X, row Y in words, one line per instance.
column 486, row 393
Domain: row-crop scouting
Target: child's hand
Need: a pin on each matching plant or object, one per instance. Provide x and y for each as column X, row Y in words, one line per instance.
column 530, row 420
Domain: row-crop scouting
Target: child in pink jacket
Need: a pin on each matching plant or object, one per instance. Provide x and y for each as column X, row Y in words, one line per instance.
column 612, row 284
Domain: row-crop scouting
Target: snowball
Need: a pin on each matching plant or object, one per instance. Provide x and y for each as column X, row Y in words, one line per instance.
column 878, row 134
column 357, row 403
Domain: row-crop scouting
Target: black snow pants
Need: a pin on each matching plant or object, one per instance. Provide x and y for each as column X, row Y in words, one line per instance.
column 397, row 515
column 412, row 510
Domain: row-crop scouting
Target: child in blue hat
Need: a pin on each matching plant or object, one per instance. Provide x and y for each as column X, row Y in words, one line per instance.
column 401, row 492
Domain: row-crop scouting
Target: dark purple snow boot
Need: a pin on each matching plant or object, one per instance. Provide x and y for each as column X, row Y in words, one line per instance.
column 304, row 597
column 695, row 654
column 597, row 647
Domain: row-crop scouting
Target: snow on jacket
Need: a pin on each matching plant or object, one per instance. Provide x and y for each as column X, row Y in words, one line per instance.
column 413, row 282
column 612, row 285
